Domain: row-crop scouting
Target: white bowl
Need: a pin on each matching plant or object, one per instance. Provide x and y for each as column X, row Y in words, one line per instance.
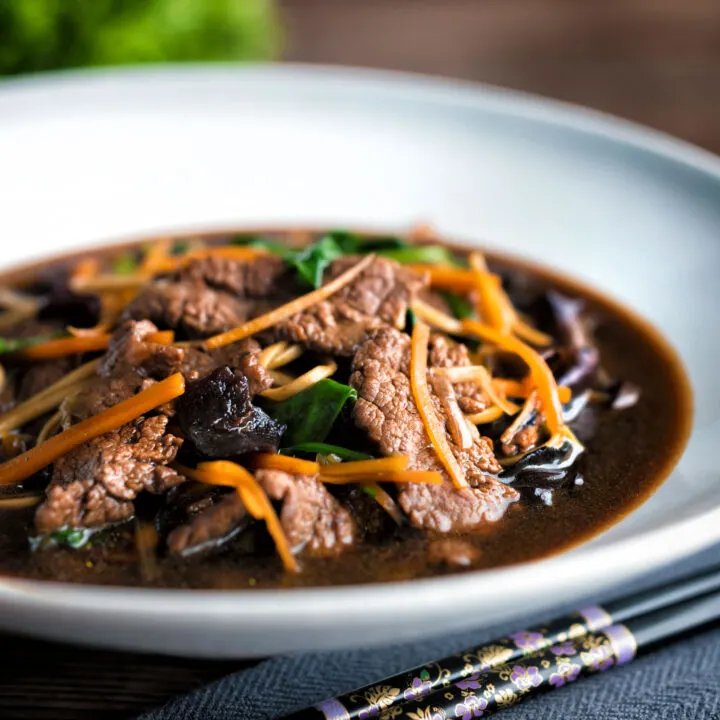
column 91, row 157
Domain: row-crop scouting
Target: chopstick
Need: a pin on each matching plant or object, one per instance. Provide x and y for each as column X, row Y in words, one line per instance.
column 527, row 662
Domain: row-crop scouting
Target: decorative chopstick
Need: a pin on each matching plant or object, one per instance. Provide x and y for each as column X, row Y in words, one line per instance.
column 503, row 672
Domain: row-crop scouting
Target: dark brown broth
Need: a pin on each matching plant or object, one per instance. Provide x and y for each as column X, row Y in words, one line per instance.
column 629, row 453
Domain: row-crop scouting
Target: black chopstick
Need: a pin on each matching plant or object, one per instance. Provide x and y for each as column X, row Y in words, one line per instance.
column 527, row 662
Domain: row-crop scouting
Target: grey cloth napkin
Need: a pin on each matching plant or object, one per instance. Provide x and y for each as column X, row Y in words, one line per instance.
column 679, row 681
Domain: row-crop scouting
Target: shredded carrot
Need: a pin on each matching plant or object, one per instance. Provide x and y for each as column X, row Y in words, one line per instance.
column 366, row 467
column 66, row 346
column 231, row 252
column 86, row 268
column 161, row 337
column 511, row 388
column 489, row 304
column 530, row 334
column 384, row 501
column 286, row 463
column 222, row 472
column 300, row 384
column 486, row 416
column 289, row 309
column 43, row 455
column 421, row 477
column 109, row 282
column 542, row 377
column 434, row 428
column 157, row 258
column 445, row 278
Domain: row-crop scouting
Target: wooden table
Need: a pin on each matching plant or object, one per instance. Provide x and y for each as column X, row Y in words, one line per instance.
column 653, row 61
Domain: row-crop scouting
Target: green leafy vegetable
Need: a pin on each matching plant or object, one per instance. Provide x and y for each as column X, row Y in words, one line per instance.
column 314, row 448
column 310, row 415
column 460, row 307
column 179, row 247
column 410, row 320
column 311, row 261
column 11, row 345
column 71, row 537
column 420, row 254
column 126, row 264
column 372, row 492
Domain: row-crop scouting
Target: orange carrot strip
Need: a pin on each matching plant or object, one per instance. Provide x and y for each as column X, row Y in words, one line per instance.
column 255, row 500
column 43, row 455
column 489, row 304
column 286, row 463
column 366, row 467
column 486, row 416
column 434, row 428
column 445, row 278
column 384, row 501
column 66, row 346
column 231, row 252
column 423, row 477
column 541, row 375
column 156, row 258
column 292, row 308
column 161, row 337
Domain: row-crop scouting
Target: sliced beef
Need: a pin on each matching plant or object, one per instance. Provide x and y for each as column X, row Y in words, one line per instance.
column 216, row 414
column 267, row 276
column 40, row 375
column 379, row 296
column 94, row 484
column 241, row 357
column 129, row 351
column 211, row 527
column 99, row 395
column 190, row 307
column 444, row 353
column 453, row 552
column 313, row 520
column 386, row 411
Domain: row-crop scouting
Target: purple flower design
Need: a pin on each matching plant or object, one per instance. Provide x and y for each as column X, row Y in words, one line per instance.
column 526, row 640
column 418, row 688
column 525, row 678
column 473, row 707
column 471, row 683
column 566, row 648
column 599, row 658
column 567, row 673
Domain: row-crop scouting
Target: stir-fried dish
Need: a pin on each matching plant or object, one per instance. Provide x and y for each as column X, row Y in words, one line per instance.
column 315, row 408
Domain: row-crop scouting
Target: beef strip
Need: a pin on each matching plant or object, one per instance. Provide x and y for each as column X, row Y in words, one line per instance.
column 452, row 552
column 95, row 483
column 444, row 353
column 189, row 307
column 129, row 351
column 211, row 527
column 266, row 277
column 379, row 296
column 313, row 520
column 386, row 411
column 40, row 375
column 241, row 357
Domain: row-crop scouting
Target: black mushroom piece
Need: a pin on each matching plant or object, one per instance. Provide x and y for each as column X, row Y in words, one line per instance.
column 216, row 415
column 576, row 361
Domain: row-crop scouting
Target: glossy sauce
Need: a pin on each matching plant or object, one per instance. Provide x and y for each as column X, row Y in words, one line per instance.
column 628, row 454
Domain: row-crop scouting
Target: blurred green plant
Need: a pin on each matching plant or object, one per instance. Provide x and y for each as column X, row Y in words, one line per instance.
column 48, row 34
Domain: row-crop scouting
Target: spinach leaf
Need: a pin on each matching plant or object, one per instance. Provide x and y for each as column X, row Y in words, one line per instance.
column 460, row 307
column 420, row 254
column 311, row 261
column 11, row 345
column 71, row 537
column 313, row 448
column 126, row 264
column 180, row 247
column 310, row 415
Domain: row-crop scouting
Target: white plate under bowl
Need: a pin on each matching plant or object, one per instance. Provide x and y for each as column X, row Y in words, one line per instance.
column 92, row 157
